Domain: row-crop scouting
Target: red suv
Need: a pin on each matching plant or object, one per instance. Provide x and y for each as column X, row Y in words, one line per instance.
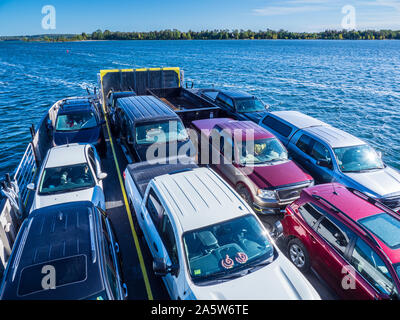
column 351, row 240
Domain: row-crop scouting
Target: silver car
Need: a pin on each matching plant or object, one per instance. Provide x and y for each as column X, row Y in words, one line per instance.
column 330, row 154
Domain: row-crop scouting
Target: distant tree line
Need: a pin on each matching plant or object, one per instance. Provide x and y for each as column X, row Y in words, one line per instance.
column 216, row 35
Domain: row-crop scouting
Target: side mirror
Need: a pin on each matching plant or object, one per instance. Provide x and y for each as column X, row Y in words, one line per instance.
column 277, row 230
column 324, row 163
column 102, row 176
column 31, row 186
column 161, row 269
column 49, row 125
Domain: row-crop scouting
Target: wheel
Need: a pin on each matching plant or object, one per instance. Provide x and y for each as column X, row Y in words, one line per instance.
column 245, row 194
column 298, row 255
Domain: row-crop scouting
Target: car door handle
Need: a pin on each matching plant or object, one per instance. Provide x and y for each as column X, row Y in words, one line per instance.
column 155, row 246
column 313, row 239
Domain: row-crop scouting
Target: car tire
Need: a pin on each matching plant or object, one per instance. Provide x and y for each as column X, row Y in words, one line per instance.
column 245, row 194
column 298, row 255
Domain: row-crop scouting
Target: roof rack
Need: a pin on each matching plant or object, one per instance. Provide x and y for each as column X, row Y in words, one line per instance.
column 373, row 201
column 366, row 231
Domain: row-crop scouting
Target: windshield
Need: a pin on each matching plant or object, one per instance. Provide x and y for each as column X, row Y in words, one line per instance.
column 76, row 121
column 160, row 132
column 262, row 151
column 358, row 158
column 66, row 179
column 226, row 248
column 249, row 105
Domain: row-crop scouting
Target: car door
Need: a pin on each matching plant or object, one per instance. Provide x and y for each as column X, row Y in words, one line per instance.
column 111, row 274
column 98, row 196
column 373, row 278
column 150, row 220
column 227, row 104
column 331, row 245
column 226, row 152
column 322, row 161
column 173, row 282
column 301, row 152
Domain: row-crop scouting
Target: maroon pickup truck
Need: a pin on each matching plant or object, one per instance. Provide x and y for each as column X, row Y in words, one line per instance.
column 253, row 160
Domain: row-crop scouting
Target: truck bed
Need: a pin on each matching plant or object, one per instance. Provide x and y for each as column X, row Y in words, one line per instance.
column 142, row 172
column 188, row 105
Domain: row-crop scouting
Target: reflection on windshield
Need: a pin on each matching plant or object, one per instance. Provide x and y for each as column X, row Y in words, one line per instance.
column 66, row 179
column 249, row 105
column 76, row 121
column 358, row 158
column 222, row 249
column 160, row 132
column 262, row 151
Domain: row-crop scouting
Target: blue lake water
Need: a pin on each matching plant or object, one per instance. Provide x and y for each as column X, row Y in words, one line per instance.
column 353, row 85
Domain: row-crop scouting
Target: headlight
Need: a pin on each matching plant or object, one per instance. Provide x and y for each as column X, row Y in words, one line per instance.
column 311, row 183
column 266, row 194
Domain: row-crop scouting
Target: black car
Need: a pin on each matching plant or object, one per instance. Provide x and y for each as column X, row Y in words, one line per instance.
column 151, row 129
column 79, row 121
column 237, row 104
column 66, row 251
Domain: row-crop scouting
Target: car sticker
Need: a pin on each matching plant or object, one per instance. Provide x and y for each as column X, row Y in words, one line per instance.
column 227, row 263
column 241, row 257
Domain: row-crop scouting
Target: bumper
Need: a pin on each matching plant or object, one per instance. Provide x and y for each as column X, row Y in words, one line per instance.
column 263, row 206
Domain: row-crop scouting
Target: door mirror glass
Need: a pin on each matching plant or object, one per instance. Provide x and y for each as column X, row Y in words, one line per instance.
column 324, row 163
column 277, row 230
column 102, row 176
column 31, row 186
column 160, row 267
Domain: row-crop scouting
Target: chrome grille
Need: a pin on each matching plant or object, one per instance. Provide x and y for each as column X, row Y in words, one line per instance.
column 291, row 192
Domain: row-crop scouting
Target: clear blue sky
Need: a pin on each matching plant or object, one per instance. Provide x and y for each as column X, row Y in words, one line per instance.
column 23, row 17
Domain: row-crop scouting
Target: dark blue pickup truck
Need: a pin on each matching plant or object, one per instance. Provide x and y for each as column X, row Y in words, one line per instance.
column 237, row 104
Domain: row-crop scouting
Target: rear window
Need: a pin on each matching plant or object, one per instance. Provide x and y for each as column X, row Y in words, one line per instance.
column 278, row 126
column 385, row 227
column 67, row 271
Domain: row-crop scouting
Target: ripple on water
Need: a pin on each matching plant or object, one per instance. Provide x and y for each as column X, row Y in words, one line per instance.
column 352, row 85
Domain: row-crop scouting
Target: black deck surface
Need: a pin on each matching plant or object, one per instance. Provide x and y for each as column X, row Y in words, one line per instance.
column 117, row 213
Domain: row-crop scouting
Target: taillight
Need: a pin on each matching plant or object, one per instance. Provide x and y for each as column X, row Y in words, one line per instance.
column 288, row 211
column 124, row 175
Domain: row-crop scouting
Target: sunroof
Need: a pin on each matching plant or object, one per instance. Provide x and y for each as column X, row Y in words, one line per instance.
column 385, row 227
column 66, row 271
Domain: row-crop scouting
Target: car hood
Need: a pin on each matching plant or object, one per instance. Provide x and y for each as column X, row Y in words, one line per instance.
column 80, row 136
column 255, row 116
column 49, row 200
column 279, row 280
column 384, row 182
column 278, row 175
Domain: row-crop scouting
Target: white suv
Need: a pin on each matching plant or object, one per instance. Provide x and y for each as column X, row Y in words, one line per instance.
column 69, row 173
column 206, row 242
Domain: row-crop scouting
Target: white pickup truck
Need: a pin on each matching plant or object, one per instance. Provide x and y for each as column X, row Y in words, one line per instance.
column 206, row 242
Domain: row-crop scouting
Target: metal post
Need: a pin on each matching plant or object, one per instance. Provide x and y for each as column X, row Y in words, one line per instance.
column 33, row 133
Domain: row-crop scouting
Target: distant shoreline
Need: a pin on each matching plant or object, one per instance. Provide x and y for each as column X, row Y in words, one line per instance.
column 268, row 34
